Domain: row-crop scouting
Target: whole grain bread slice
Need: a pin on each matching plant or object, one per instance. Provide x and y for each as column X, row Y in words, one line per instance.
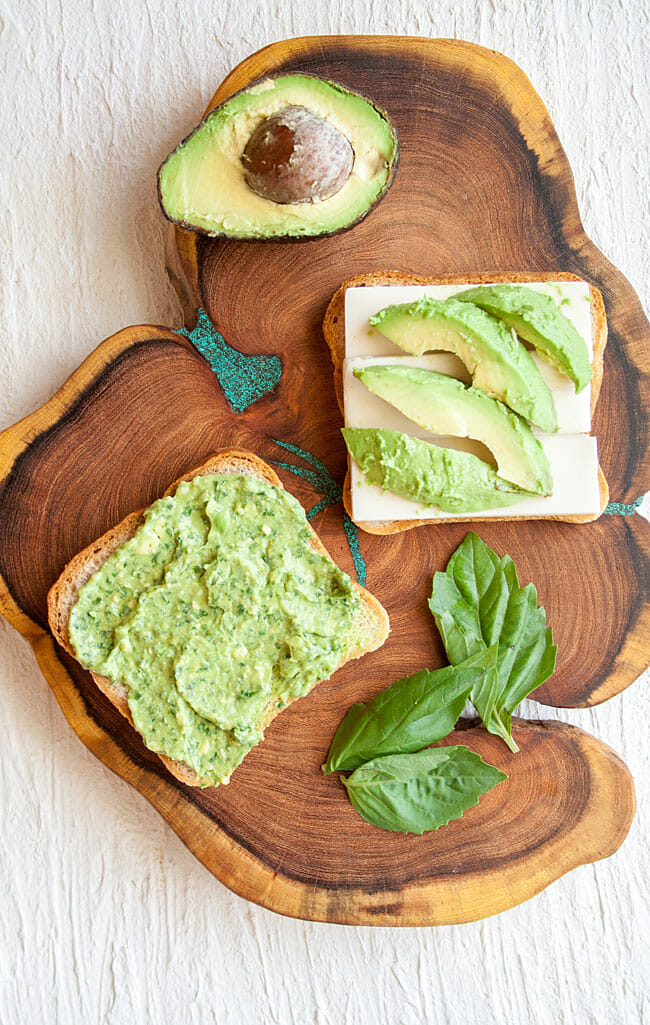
column 371, row 627
column 334, row 332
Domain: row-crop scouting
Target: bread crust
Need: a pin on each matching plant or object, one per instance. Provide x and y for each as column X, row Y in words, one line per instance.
column 334, row 333
column 64, row 592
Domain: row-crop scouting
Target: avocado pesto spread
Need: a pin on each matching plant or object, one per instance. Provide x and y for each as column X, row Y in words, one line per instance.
column 215, row 612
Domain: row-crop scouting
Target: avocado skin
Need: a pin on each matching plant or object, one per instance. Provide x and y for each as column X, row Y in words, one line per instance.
column 392, row 169
column 502, row 366
column 442, row 405
column 538, row 320
column 453, row 481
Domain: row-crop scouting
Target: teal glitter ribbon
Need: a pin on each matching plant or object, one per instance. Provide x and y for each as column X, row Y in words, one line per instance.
column 317, row 474
column 244, row 379
column 620, row 509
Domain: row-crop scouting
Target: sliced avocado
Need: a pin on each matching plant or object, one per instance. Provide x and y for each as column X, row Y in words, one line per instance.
column 288, row 157
column 455, row 482
column 498, row 362
column 444, row 405
column 539, row 320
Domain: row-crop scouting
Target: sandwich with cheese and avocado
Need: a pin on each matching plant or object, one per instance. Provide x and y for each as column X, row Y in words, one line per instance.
column 205, row 615
column 468, row 397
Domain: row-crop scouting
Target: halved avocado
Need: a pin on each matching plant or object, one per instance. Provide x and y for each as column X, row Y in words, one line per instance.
column 287, row 157
column 455, row 482
column 538, row 320
column 443, row 405
column 499, row 364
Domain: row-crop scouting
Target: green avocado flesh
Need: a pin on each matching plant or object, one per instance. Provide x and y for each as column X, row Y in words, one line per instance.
column 455, row 482
column 443, row 405
column 538, row 320
column 499, row 364
column 202, row 184
column 216, row 611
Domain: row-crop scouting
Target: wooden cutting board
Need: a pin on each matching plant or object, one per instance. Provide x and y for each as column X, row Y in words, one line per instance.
column 483, row 185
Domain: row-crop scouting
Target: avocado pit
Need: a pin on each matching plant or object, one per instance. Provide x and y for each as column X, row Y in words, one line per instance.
column 295, row 156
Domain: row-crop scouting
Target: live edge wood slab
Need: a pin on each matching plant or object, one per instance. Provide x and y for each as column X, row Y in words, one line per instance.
column 483, row 184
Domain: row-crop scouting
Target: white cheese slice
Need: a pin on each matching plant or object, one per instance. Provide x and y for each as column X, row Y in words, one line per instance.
column 573, row 411
column 572, row 452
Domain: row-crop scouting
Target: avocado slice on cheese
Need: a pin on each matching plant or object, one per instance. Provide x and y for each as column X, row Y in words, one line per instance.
column 455, row 482
column 499, row 364
column 288, row 157
column 443, row 405
column 538, row 319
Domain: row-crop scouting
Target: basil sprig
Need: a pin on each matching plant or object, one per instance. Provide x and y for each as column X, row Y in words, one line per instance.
column 477, row 603
column 397, row 786
column 500, row 650
column 410, row 714
column 416, row 792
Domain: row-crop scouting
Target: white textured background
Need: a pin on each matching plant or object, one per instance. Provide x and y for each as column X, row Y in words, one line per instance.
column 104, row 915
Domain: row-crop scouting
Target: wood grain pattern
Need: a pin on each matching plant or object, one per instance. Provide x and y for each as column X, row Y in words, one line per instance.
column 483, row 185
column 145, row 407
column 139, row 412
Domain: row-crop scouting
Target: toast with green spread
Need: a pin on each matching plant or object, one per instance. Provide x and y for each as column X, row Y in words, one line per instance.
column 389, row 445
column 203, row 616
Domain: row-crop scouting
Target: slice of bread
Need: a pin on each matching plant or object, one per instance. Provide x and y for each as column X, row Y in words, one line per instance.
column 334, row 332
column 371, row 628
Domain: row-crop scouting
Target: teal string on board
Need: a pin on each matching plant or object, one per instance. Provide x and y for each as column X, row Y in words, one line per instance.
column 620, row 509
column 244, row 378
column 352, row 534
column 321, row 479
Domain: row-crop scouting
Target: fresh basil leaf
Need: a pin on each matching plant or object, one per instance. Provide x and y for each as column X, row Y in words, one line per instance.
column 477, row 602
column 410, row 714
column 416, row 792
